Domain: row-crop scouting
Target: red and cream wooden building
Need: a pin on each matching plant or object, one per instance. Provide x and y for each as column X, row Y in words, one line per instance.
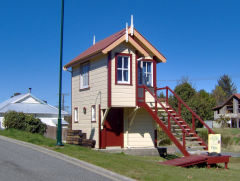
column 105, row 81
column 114, row 96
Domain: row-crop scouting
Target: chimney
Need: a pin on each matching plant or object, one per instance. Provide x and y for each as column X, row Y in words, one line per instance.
column 30, row 90
column 16, row 94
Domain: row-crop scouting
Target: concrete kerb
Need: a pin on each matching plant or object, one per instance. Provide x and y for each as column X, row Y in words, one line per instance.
column 93, row 168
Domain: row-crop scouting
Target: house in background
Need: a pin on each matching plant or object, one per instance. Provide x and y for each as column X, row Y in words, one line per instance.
column 230, row 108
column 29, row 104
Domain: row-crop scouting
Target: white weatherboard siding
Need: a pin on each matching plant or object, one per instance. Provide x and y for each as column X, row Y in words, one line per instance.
column 30, row 100
column 87, row 98
column 124, row 95
column 141, row 132
column 1, row 123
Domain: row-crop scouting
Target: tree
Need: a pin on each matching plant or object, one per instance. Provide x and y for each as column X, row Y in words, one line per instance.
column 185, row 91
column 200, row 102
column 225, row 82
column 219, row 95
column 222, row 120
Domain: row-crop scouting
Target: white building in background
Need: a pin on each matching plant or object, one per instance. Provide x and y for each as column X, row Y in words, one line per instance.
column 27, row 103
column 231, row 109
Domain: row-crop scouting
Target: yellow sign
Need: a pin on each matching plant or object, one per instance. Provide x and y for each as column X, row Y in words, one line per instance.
column 214, row 143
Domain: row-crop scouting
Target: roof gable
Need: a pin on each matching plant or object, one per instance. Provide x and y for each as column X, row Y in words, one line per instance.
column 107, row 44
column 28, row 103
column 231, row 97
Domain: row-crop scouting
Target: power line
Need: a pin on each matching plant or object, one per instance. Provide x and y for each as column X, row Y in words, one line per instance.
column 196, row 79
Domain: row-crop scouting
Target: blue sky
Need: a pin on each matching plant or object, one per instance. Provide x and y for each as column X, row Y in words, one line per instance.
column 199, row 38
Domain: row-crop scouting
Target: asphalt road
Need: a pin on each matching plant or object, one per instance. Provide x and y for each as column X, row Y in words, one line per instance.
column 21, row 163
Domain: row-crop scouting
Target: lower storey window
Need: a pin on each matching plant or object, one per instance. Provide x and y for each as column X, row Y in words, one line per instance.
column 75, row 114
column 93, row 116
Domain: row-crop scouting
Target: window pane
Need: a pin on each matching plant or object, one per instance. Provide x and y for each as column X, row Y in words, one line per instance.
column 149, row 80
column 139, row 73
column 75, row 115
column 86, row 79
column 119, row 62
column 144, row 66
column 125, row 75
column 125, row 62
column 84, row 75
column 149, row 67
column 93, row 113
column 119, row 75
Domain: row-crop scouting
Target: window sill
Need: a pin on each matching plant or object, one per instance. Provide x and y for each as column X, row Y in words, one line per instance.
column 93, row 121
column 83, row 89
column 123, row 84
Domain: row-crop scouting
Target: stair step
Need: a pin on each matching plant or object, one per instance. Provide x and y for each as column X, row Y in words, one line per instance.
column 195, row 141
column 177, row 129
column 177, row 134
column 193, row 147
column 172, row 125
column 191, row 138
column 165, row 114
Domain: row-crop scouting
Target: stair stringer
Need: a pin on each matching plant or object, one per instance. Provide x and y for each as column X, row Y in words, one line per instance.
column 191, row 130
column 165, row 129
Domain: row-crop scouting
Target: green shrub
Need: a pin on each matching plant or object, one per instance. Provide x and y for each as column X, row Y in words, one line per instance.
column 203, row 133
column 226, row 141
column 25, row 122
column 163, row 138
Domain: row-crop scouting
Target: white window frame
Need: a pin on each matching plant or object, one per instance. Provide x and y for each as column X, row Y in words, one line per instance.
column 147, row 73
column 93, row 113
column 84, row 74
column 122, row 69
column 75, row 115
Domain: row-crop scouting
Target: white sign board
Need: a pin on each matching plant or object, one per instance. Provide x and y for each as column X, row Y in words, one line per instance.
column 214, row 143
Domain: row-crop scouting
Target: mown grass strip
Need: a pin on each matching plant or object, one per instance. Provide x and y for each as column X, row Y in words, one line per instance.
column 137, row 167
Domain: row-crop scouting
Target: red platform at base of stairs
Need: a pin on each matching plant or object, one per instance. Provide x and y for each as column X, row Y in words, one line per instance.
column 197, row 159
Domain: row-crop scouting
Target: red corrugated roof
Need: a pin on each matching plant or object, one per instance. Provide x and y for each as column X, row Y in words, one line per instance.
column 99, row 46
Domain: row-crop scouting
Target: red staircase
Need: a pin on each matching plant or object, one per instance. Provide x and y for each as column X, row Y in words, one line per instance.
column 181, row 134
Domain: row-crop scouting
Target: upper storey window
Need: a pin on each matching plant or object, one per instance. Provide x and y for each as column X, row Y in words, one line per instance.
column 145, row 73
column 84, row 76
column 123, row 69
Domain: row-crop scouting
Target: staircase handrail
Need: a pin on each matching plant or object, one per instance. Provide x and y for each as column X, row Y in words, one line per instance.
column 189, row 109
column 155, row 97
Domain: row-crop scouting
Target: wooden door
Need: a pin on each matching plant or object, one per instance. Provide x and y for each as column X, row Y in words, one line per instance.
column 112, row 134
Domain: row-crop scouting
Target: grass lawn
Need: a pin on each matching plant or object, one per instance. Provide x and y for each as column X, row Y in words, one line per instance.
column 137, row 167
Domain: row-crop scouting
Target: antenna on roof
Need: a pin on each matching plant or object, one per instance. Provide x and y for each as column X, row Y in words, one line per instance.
column 94, row 39
column 132, row 26
column 126, row 32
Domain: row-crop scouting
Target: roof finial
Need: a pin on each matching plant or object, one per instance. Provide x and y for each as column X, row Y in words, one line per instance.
column 94, row 39
column 126, row 32
column 132, row 26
